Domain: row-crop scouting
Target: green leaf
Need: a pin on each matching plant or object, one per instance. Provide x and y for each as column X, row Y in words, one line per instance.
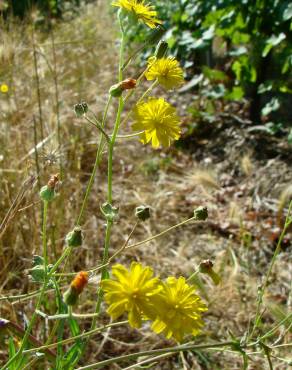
column 236, row 93
column 271, row 106
column 214, row 74
column 290, row 137
column 37, row 260
column 287, row 13
column 237, row 68
column 285, row 89
column 264, row 87
column 273, row 41
column 11, row 351
column 241, row 50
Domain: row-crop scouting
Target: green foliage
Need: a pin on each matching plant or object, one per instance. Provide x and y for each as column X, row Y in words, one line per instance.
column 250, row 40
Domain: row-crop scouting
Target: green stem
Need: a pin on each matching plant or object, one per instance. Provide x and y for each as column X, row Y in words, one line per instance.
column 266, row 281
column 73, row 339
column 96, row 164
column 111, row 150
column 161, row 233
column 133, row 356
column 39, row 302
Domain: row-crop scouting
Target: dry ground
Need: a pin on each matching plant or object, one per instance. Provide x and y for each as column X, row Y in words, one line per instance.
column 245, row 191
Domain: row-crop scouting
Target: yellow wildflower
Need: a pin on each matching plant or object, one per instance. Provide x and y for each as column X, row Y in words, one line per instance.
column 166, row 70
column 4, row 88
column 158, row 121
column 179, row 310
column 141, row 10
column 132, row 291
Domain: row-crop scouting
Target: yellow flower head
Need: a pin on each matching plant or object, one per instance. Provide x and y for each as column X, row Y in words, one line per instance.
column 4, row 88
column 166, row 70
column 158, row 121
column 179, row 309
column 132, row 291
column 141, row 10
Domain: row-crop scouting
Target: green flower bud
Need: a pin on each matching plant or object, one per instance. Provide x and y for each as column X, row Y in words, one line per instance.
column 80, row 109
column 161, row 49
column 110, row 212
column 142, row 213
column 74, row 238
column 206, row 267
column 47, row 193
column 201, row 213
column 71, row 296
column 116, row 90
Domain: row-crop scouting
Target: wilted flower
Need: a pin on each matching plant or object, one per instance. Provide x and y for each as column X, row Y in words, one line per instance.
column 158, row 121
column 167, row 71
column 141, row 10
column 76, row 288
column 131, row 291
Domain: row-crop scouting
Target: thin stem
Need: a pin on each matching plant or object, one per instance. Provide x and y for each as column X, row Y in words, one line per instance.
column 96, row 164
column 130, row 135
column 133, row 356
column 66, row 315
column 36, row 71
column 111, row 150
column 99, row 127
column 99, row 267
column 161, row 233
column 39, row 302
column 73, row 339
column 266, row 281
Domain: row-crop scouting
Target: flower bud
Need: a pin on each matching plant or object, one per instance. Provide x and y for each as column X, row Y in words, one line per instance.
column 74, row 238
column 142, row 213
column 206, row 267
column 80, row 109
column 47, row 192
column 201, row 213
column 116, row 91
column 76, row 287
column 161, row 49
column 110, row 212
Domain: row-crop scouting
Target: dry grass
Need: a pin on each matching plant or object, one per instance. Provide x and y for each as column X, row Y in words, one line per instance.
column 171, row 183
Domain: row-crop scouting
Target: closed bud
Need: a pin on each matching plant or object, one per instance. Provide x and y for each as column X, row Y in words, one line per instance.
column 142, row 213
column 74, row 238
column 47, row 194
column 116, row 91
column 80, row 109
column 70, row 296
column 76, row 287
column 201, row 213
column 161, row 49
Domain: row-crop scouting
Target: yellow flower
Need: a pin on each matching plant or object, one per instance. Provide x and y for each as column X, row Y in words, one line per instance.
column 4, row 88
column 166, row 70
column 132, row 291
column 158, row 121
column 179, row 310
column 141, row 10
